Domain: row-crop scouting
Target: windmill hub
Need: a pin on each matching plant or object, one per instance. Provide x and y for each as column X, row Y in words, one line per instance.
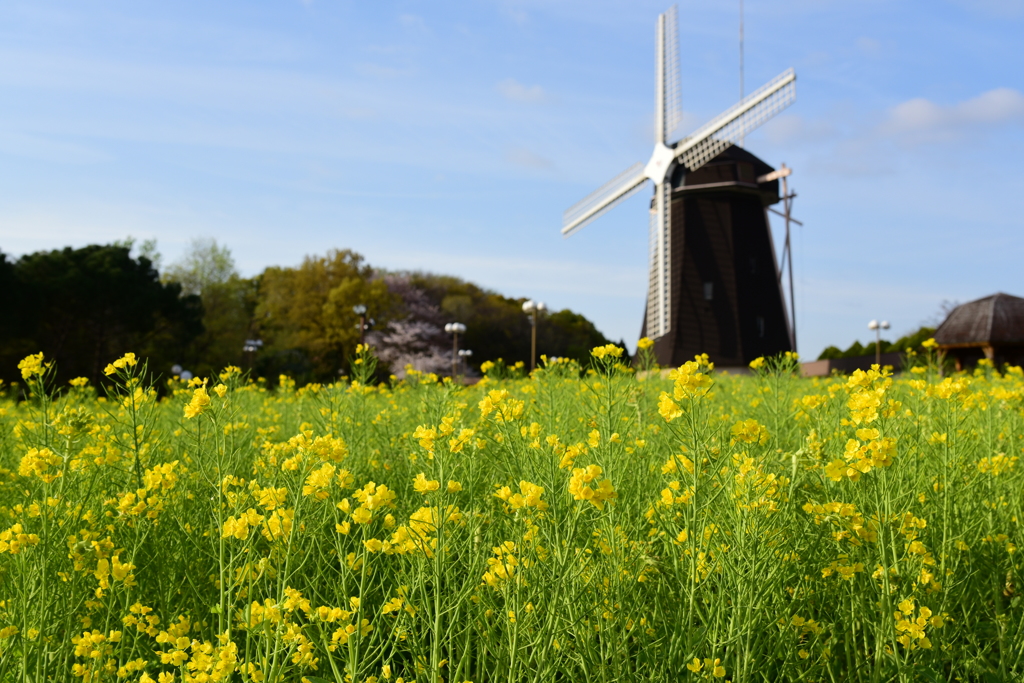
column 661, row 161
column 714, row 282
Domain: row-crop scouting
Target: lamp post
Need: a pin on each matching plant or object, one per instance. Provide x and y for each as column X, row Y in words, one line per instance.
column 465, row 355
column 878, row 327
column 532, row 308
column 455, row 329
column 250, row 347
column 360, row 310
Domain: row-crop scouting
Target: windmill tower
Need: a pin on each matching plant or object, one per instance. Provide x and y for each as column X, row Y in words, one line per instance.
column 714, row 284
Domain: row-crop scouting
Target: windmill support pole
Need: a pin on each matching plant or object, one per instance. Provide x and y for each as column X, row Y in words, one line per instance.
column 789, row 264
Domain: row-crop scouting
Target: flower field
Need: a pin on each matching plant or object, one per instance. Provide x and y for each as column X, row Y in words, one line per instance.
column 568, row 526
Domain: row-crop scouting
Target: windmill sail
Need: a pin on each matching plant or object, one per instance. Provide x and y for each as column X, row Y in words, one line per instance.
column 668, row 114
column 734, row 124
column 668, row 87
column 605, row 197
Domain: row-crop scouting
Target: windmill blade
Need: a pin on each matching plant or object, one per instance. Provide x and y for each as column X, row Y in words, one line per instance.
column 605, row 197
column 668, row 91
column 734, row 124
column 659, row 284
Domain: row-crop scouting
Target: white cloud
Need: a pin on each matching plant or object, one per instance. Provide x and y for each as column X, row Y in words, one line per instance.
column 844, row 145
column 920, row 120
column 517, row 92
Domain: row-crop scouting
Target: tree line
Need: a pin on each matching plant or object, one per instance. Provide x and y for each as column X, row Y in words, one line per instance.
column 84, row 306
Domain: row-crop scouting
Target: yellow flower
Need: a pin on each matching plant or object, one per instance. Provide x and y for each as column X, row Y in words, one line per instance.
column 717, row 670
column 127, row 360
column 668, row 408
column 501, row 403
column 757, row 363
column 199, row 403
column 749, row 431
column 606, row 350
column 580, row 489
column 690, row 382
column 32, row 365
column 318, row 482
column 423, row 485
column 644, row 343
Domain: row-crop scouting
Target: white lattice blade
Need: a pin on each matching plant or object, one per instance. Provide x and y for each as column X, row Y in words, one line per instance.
column 672, row 103
column 659, row 80
column 738, row 121
column 605, row 197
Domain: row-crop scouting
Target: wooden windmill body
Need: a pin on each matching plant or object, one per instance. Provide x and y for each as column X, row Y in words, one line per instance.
column 714, row 284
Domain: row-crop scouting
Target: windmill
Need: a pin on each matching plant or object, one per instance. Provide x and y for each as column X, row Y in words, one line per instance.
column 714, row 281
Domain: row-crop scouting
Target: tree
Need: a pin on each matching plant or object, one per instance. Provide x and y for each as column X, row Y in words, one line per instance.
column 207, row 269
column 858, row 350
column 309, row 309
column 85, row 307
column 228, row 310
column 203, row 264
column 496, row 326
column 415, row 337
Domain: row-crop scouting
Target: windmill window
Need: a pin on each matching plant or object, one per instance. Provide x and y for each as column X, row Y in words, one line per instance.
column 709, row 291
column 760, row 326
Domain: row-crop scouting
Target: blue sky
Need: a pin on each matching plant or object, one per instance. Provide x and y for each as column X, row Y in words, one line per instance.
column 450, row 137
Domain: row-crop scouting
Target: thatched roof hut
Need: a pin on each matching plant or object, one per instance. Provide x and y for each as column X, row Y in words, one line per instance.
column 991, row 328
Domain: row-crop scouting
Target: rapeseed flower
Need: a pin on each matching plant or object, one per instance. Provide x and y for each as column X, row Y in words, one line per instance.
column 32, row 366
column 199, row 404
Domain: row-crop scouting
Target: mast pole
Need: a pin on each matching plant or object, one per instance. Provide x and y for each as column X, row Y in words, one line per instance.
column 789, row 253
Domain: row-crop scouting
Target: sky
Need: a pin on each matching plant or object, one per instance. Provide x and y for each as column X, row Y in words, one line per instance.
column 450, row 137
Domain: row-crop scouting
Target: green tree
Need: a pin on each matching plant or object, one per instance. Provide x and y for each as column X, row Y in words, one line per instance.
column 85, row 307
column 203, row 264
column 207, row 269
column 308, row 310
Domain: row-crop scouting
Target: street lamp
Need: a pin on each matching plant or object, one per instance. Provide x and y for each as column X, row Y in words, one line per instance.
column 465, row 355
column 532, row 308
column 360, row 310
column 878, row 327
column 250, row 347
column 455, row 329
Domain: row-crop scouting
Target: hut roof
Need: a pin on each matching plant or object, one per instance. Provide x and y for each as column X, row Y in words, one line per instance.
column 996, row 319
